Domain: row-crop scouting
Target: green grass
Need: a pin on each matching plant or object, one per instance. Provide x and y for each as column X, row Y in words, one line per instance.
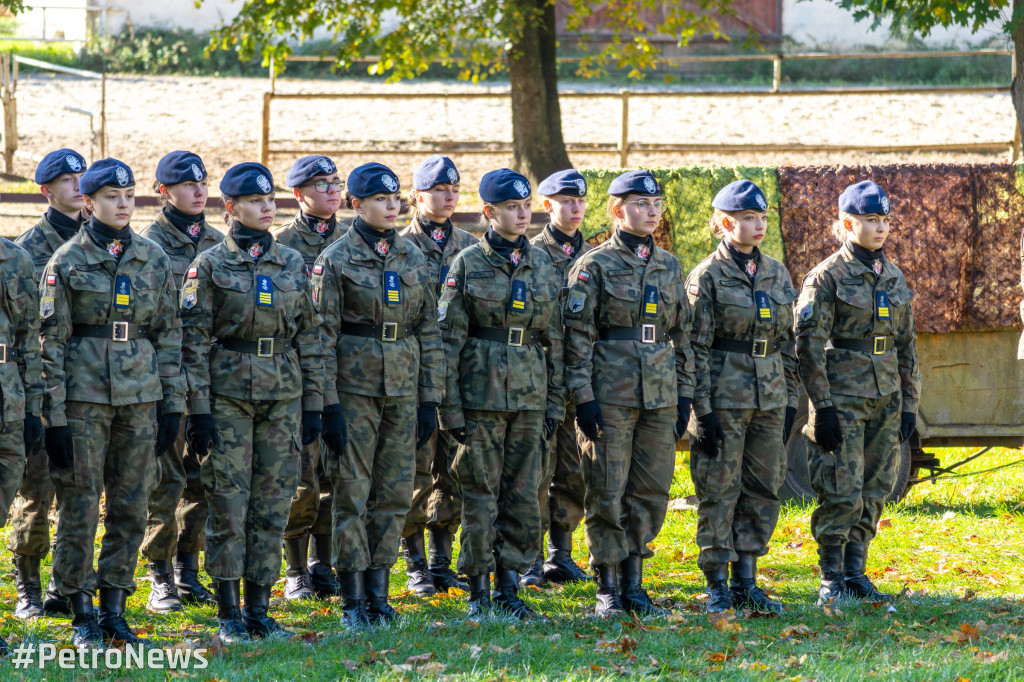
column 953, row 549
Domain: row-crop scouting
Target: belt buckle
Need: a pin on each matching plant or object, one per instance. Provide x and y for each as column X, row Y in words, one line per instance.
column 120, row 332
column 515, row 336
column 3, row 353
column 389, row 332
column 879, row 348
column 260, row 352
column 648, row 333
column 761, row 344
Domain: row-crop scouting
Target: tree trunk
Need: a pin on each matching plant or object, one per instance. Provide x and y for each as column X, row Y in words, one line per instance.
column 537, row 142
column 1017, row 86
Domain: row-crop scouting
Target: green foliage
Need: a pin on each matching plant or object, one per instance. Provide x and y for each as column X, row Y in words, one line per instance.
column 921, row 16
column 55, row 53
column 154, row 51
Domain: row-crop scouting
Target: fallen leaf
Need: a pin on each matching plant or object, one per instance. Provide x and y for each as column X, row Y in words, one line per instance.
column 725, row 622
column 799, row 630
column 965, row 633
column 988, row 657
column 885, row 523
column 420, row 658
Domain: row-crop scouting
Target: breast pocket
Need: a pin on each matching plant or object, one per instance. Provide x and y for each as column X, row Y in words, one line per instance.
column 620, row 302
column 734, row 311
column 853, row 311
column 231, row 293
column 671, row 295
column 486, row 299
column 545, row 305
column 782, row 317
column 361, row 289
column 90, row 294
column 415, row 285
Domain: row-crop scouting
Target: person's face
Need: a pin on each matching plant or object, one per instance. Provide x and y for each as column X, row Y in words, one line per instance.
column 745, row 229
column 510, row 219
column 566, row 212
column 870, row 230
column 188, row 197
column 380, row 211
column 320, row 196
column 255, row 211
column 112, row 205
column 438, row 203
column 640, row 214
column 62, row 193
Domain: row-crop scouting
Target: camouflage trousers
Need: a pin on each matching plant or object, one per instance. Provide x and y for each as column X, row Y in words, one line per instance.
column 853, row 482
column 114, row 455
column 628, row 473
column 30, row 516
column 739, row 489
column 249, row 478
column 562, row 490
column 498, row 471
column 373, row 480
column 310, row 513
column 12, row 463
column 435, row 498
column 177, row 504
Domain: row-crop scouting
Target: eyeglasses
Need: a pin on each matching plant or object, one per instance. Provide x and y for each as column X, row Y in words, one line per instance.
column 322, row 186
column 645, row 204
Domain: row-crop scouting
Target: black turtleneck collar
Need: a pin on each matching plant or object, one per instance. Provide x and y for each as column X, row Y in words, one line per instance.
column 374, row 237
column 254, row 242
column 569, row 245
column 865, row 256
column 436, row 230
column 634, row 243
column 747, row 262
column 112, row 239
column 189, row 225
column 504, row 247
column 320, row 226
column 65, row 226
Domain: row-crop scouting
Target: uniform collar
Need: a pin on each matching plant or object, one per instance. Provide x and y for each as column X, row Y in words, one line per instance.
column 856, row 267
column 309, row 236
column 629, row 256
column 497, row 260
column 5, row 250
column 50, row 234
column 554, row 247
column 729, row 265
column 361, row 250
column 94, row 253
column 273, row 253
column 179, row 238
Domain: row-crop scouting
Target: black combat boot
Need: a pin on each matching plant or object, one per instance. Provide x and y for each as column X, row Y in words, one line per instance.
column 85, row 628
column 745, row 592
column 321, row 571
column 298, row 585
column 353, row 600
column 230, row 626
column 634, row 597
column 858, row 585
column 186, row 581
column 559, row 567
column 256, row 616
column 30, row 587
column 111, row 617
column 479, row 596
column 441, row 561
column 55, row 603
column 719, row 597
column 420, row 580
column 609, row 603
column 163, row 597
column 506, row 600
column 534, row 575
column 832, row 585
column 375, row 581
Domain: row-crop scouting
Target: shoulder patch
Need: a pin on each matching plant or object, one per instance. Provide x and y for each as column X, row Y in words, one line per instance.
column 193, row 272
column 694, row 290
column 576, row 301
column 451, row 282
column 583, row 276
column 51, row 280
column 318, row 269
column 807, row 311
column 46, row 307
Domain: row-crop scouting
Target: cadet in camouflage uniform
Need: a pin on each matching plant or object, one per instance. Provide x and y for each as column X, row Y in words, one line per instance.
column 384, row 366
column 111, row 352
column 858, row 362
column 176, row 526
column 562, row 490
column 436, row 505
column 29, row 540
column 745, row 397
column 630, row 367
column 505, row 391
column 256, row 395
column 319, row 190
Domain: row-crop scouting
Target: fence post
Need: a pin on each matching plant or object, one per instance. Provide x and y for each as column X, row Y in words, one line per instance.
column 273, row 75
column 265, row 129
column 776, row 72
column 103, row 115
column 10, row 112
column 624, row 130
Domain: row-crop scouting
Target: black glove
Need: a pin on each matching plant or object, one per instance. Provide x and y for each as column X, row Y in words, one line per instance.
column 335, row 429
column 787, row 426
column 426, row 423
column 312, row 425
column 33, row 430
column 59, row 446
column 200, row 433
column 682, row 416
column 550, row 425
column 589, row 421
column 908, row 422
column 709, row 432
column 459, row 434
column 167, row 425
column 827, row 431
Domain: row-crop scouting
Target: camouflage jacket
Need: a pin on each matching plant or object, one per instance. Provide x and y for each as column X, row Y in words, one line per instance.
column 77, row 287
column 726, row 305
column 438, row 261
column 222, row 298
column 21, row 369
column 559, row 259
column 178, row 246
column 608, row 288
column 309, row 244
column 839, row 301
column 493, row 375
column 40, row 240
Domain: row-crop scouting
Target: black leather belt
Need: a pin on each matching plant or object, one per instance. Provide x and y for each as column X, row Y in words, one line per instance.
column 512, row 336
column 7, row 353
column 645, row 333
column 115, row 331
column 876, row 345
column 758, row 348
column 389, row 331
column 264, row 347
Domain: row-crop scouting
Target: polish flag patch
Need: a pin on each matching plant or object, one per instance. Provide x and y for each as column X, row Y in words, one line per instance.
column 51, row 279
column 583, row 276
column 193, row 272
column 318, row 269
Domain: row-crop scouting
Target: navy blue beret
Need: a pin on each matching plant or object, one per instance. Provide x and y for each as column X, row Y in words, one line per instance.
column 180, row 166
column 57, row 163
column 246, row 178
column 568, row 182
column 307, row 168
column 742, row 195
column 635, row 182
column 106, row 172
column 863, row 198
column 437, row 170
column 502, row 185
column 372, row 178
